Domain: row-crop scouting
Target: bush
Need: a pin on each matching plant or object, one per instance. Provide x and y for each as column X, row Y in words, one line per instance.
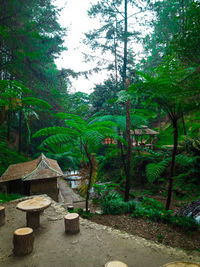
column 117, row 206
column 155, row 211
column 186, row 223
column 10, row 197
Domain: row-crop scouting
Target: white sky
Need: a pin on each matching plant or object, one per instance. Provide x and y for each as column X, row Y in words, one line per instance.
column 74, row 17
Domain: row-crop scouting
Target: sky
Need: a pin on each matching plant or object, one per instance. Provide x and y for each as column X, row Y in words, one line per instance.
column 74, row 17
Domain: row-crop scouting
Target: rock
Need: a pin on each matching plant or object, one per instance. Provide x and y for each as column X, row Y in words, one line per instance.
column 74, row 242
column 191, row 210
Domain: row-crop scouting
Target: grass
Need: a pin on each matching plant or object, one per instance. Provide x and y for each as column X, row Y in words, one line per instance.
column 9, row 197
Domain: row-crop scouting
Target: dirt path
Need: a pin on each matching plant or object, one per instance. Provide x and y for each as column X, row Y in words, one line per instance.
column 92, row 247
column 67, row 195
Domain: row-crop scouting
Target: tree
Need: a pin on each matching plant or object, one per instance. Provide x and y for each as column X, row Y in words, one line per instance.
column 15, row 99
column 88, row 134
column 110, row 36
column 31, row 38
column 169, row 88
column 167, row 20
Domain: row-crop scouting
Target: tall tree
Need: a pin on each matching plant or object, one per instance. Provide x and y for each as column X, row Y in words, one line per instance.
column 175, row 88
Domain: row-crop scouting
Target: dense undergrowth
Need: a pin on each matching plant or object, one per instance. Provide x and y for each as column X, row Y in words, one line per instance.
column 8, row 197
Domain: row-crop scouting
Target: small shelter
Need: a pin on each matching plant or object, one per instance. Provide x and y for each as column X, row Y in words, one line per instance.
column 140, row 133
column 38, row 176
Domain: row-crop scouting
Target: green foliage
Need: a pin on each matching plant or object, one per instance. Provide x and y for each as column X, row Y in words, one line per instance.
column 154, row 170
column 8, row 157
column 117, row 206
column 186, row 223
column 155, row 211
column 10, row 197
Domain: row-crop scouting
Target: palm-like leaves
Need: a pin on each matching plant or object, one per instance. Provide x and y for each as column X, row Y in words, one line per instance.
column 87, row 133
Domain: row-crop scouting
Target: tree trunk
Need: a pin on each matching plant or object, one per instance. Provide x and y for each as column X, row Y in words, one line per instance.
column 115, row 54
column 129, row 151
column 90, row 179
column 20, row 132
column 169, row 194
column 8, row 125
column 125, row 41
column 183, row 122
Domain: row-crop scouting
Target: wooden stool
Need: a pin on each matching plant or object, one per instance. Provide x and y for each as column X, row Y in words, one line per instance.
column 23, row 239
column 2, row 215
column 72, row 223
column 181, row 264
column 115, row 264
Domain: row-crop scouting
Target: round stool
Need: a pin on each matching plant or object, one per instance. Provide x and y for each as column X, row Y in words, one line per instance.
column 23, row 240
column 115, row 264
column 2, row 215
column 71, row 221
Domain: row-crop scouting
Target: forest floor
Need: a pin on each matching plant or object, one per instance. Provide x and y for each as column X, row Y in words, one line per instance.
column 95, row 245
column 154, row 231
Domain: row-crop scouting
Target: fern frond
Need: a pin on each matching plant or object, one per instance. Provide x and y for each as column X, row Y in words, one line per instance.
column 35, row 102
column 73, row 117
column 154, row 170
column 55, row 130
column 102, row 124
column 55, row 140
column 185, row 160
column 93, row 137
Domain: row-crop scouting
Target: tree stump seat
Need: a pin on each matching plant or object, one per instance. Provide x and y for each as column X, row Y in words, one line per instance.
column 23, row 240
column 115, row 264
column 2, row 215
column 71, row 221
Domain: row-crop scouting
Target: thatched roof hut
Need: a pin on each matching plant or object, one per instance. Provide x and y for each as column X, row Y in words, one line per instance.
column 40, row 175
column 40, row 168
column 144, row 131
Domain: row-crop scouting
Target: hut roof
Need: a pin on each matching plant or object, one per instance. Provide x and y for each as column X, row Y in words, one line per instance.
column 39, row 168
column 144, row 131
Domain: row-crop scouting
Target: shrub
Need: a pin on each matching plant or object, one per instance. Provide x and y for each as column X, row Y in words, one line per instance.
column 155, row 211
column 186, row 223
column 10, row 197
column 117, row 206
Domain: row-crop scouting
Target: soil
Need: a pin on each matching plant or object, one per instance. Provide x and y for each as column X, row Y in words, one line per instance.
column 157, row 232
column 92, row 247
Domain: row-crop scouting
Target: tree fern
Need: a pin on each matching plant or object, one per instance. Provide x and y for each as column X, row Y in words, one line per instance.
column 56, row 140
column 55, row 130
column 154, row 170
column 185, row 160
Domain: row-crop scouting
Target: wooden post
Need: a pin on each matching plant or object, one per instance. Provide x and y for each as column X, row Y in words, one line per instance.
column 72, row 223
column 33, row 219
column 2, row 215
column 23, row 240
column 115, row 264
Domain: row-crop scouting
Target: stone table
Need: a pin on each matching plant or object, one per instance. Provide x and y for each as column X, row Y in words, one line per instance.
column 33, row 208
